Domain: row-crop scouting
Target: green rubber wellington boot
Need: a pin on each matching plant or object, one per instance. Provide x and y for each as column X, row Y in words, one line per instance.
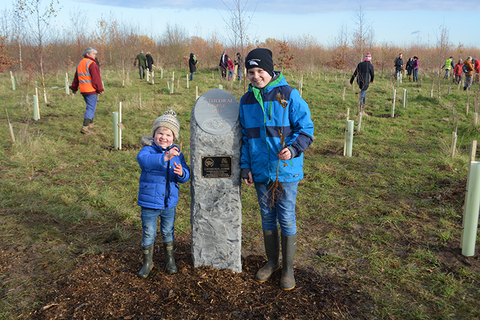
column 147, row 261
column 289, row 244
column 169, row 259
column 272, row 250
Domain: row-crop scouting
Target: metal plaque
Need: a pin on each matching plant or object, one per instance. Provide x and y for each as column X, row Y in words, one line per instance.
column 216, row 167
column 216, row 111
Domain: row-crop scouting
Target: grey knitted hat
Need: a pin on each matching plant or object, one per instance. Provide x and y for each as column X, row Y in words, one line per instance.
column 168, row 120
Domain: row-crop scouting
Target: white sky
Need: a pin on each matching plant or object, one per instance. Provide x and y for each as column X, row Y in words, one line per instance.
column 399, row 22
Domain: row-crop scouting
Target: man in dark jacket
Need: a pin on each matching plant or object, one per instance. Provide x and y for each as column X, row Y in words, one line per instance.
column 142, row 64
column 365, row 75
column 222, row 66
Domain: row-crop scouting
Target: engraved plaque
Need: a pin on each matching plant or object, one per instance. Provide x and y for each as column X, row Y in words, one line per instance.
column 215, row 167
column 216, row 111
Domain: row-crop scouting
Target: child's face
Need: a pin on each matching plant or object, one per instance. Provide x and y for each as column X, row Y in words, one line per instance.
column 258, row 77
column 163, row 137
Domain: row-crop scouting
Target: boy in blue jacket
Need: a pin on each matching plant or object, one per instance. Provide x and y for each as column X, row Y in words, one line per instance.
column 266, row 123
column 163, row 167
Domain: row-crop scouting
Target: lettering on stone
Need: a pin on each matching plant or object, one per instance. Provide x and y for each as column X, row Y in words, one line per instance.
column 216, row 167
column 216, row 111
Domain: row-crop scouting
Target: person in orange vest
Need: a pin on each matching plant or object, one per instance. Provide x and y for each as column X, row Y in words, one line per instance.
column 87, row 79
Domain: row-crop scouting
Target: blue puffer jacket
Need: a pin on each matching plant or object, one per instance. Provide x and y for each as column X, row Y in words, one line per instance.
column 262, row 118
column 158, row 186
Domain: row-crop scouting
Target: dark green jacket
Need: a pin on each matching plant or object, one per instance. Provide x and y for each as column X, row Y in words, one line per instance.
column 142, row 60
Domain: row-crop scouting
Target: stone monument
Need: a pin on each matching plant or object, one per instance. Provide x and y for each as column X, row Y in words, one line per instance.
column 216, row 208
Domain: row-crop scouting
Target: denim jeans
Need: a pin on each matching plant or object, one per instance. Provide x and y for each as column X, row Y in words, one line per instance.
column 91, row 101
column 191, row 76
column 446, row 76
column 283, row 211
column 363, row 95
column 149, row 224
column 141, row 71
column 239, row 72
column 415, row 75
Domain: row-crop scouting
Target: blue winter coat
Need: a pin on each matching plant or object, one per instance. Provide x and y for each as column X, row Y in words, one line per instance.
column 263, row 118
column 158, row 185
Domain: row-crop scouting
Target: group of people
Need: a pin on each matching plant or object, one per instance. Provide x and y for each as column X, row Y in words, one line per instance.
column 144, row 61
column 412, row 66
column 467, row 67
column 227, row 67
column 270, row 105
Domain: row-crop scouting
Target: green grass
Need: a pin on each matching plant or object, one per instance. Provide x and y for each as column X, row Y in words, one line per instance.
column 371, row 218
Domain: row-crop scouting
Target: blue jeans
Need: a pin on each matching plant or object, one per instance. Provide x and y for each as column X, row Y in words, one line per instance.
column 191, row 76
column 363, row 95
column 141, row 71
column 415, row 75
column 239, row 72
column 149, row 224
column 91, row 101
column 283, row 210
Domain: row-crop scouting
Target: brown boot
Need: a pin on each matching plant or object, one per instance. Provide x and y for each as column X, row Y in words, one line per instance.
column 91, row 126
column 85, row 130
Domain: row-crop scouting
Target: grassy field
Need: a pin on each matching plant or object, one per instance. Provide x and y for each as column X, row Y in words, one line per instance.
column 388, row 218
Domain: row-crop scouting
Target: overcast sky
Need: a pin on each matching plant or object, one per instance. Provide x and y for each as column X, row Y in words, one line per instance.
column 393, row 21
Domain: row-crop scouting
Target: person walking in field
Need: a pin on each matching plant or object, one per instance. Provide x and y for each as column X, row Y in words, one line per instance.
column 150, row 62
column 223, row 64
column 163, row 168
column 231, row 68
column 476, row 66
column 192, row 65
column 398, row 63
column 416, row 67
column 468, row 70
column 458, row 71
column 239, row 64
column 409, row 68
column 87, row 78
column 142, row 64
column 276, row 130
column 365, row 75
column 447, row 66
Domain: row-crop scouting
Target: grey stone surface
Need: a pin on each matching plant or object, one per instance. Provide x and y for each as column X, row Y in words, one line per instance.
column 216, row 208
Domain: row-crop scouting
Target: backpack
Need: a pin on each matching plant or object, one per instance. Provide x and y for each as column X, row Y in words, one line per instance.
column 464, row 68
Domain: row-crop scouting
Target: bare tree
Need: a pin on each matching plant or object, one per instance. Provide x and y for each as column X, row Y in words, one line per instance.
column 174, row 40
column 39, row 18
column 363, row 33
column 238, row 24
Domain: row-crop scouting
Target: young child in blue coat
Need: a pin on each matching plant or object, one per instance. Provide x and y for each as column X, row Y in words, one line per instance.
column 163, row 168
column 274, row 131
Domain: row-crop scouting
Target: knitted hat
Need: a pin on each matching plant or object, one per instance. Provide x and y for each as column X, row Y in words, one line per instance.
column 168, row 120
column 260, row 58
column 368, row 57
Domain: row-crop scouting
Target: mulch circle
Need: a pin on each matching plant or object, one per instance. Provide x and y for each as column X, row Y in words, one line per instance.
column 105, row 286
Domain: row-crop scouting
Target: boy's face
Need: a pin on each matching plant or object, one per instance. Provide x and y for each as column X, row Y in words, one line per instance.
column 163, row 137
column 258, row 77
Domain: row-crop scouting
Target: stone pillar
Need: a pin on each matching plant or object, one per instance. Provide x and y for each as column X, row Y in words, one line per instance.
column 216, row 208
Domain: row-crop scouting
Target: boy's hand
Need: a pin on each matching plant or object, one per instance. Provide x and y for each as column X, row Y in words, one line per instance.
column 249, row 181
column 178, row 169
column 171, row 153
column 285, row 154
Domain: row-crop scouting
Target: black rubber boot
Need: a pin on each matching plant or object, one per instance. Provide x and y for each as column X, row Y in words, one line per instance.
column 289, row 244
column 169, row 259
column 147, row 261
column 272, row 249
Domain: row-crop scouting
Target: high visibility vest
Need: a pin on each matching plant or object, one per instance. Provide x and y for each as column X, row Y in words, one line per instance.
column 448, row 64
column 84, row 76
